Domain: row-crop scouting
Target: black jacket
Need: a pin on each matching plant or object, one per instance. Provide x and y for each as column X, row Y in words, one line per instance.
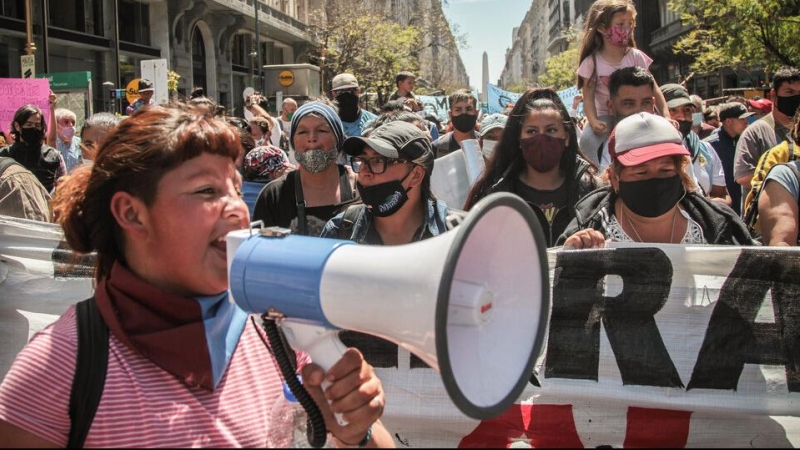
column 45, row 163
column 583, row 183
column 719, row 223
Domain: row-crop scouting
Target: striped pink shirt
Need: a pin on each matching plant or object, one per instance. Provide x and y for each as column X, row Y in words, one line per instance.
column 142, row 405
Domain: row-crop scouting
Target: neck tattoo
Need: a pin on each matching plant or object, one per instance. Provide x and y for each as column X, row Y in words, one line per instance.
column 671, row 233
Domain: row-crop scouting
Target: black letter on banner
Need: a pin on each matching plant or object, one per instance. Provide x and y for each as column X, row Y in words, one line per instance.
column 378, row 352
column 734, row 339
column 573, row 348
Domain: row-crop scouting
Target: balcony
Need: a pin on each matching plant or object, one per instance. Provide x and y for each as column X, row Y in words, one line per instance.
column 663, row 38
column 278, row 24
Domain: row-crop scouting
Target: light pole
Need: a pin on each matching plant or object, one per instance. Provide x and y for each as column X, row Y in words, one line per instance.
column 258, row 49
column 30, row 46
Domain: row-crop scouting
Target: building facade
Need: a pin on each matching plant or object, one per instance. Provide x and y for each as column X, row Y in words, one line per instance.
column 209, row 43
column 658, row 29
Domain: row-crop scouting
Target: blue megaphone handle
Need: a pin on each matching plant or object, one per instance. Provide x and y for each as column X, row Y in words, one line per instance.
column 283, row 273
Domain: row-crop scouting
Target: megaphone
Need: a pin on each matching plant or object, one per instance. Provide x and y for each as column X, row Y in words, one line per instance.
column 472, row 303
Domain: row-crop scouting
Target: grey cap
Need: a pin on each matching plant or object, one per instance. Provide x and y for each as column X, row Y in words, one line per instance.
column 676, row 95
column 396, row 140
column 492, row 121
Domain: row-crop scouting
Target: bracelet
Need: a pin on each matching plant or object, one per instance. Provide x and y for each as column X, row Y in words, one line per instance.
column 363, row 443
column 366, row 439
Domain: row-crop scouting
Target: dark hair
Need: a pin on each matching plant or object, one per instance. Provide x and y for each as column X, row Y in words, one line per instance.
column 462, row 95
column 507, row 160
column 600, row 14
column 23, row 114
column 785, row 74
column 239, row 123
column 133, row 159
column 391, row 106
column 629, row 76
column 402, row 76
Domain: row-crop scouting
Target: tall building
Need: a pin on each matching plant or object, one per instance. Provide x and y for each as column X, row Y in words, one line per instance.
column 484, row 78
column 440, row 64
column 210, row 43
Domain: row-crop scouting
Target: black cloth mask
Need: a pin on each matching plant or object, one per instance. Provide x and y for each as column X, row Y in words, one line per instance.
column 32, row 137
column 348, row 107
column 788, row 105
column 384, row 199
column 685, row 127
column 652, row 197
column 465, row 122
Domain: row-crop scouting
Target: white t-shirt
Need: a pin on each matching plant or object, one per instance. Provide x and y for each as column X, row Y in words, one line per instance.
column 634, row 57
column 708, row 169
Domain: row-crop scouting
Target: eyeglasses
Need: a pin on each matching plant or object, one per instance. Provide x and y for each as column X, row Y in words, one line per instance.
column 377, row 164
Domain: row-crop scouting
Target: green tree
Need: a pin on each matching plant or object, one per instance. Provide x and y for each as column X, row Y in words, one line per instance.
column 560, row 69
column 739, row 33
column 368, row 44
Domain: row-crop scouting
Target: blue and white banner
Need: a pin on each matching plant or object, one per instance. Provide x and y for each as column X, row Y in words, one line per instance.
column 498, row 98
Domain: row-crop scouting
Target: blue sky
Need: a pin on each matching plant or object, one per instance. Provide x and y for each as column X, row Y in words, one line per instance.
column 488, row 25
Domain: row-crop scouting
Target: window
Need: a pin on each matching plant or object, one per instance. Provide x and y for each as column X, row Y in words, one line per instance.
column 198, row 60
column 134, row 22
column 13, row 8
column 67, row 14
column 240, row 52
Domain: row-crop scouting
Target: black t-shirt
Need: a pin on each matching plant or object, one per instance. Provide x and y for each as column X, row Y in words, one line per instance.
column 548, row 203
column 276, row 205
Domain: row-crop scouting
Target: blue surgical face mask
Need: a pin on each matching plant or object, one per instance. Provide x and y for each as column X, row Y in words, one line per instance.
column 697, row 119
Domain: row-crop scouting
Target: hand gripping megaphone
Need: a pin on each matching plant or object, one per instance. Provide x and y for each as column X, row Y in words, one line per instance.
column 472, row 303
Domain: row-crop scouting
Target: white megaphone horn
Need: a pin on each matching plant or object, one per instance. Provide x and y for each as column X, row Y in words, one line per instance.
column 472, row 303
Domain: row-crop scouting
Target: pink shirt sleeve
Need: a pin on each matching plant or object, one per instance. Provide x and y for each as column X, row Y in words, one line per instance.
column 586, row 68
column 636, row 57
column 35, row 393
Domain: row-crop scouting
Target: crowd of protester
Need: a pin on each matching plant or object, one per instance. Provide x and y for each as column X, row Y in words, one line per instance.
column 649, row 163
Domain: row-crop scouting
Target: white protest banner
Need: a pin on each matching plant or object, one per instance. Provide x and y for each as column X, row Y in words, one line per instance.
column 648, row 346
column 455, row 173
column 17, row 92
column 498, row 99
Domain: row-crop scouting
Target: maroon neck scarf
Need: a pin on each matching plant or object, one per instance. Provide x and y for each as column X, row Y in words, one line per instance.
column 170, row 330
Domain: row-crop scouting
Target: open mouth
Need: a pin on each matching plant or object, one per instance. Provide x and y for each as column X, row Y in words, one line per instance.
column 220, row 244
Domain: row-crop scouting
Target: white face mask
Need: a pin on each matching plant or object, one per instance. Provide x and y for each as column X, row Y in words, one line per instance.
column 488, row 148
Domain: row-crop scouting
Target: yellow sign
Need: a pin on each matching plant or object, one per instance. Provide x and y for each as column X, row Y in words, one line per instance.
column 286, row 78
column 132, row 91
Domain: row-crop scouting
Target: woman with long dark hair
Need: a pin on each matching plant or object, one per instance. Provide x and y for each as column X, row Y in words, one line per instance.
column 539, row 160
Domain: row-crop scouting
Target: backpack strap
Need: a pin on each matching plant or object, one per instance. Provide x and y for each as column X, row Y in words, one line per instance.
column 90, row 371
column 6, row 162
column 349, row 218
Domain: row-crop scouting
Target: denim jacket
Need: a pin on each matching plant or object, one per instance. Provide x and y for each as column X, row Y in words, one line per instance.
column 435, row 224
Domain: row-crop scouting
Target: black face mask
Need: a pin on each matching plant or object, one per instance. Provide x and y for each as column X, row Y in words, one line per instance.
column 348, row 107
column 653, row 197
column 465, row 122
column 384, row 199
column 32, row 137
column 788, row 105
column 685, row 126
